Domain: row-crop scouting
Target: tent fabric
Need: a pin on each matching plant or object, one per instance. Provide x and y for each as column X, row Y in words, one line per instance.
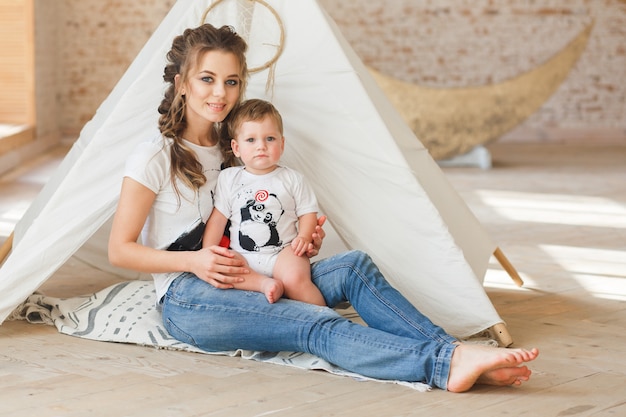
column 380, row 188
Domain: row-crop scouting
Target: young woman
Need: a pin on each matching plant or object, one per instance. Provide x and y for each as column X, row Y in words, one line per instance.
column 166, row 198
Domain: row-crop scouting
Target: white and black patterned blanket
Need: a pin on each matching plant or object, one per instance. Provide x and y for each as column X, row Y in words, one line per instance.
column 126, row 313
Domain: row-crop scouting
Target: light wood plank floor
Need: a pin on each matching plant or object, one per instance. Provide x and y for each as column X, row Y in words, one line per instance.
column 558, row 213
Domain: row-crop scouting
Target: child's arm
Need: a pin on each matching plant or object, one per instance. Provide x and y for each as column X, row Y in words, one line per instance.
column 306, row 228
column 214, row 229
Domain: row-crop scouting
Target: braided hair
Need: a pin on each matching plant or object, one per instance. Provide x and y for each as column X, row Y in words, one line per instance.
column 187, row 49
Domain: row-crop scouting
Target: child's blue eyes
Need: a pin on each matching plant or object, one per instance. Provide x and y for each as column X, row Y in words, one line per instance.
column 268, row 139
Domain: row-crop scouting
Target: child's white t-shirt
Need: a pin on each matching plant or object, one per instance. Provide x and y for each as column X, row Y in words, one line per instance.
column 263, row 209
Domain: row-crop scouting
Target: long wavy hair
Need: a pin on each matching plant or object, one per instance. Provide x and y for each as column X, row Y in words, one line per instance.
column 186, row 51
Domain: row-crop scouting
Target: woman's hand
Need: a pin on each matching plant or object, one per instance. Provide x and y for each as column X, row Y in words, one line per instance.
column 218, row 266
column 318, row 237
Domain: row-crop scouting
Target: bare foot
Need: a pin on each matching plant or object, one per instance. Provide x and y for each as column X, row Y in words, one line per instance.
column 505, row 376
column 273, row 289
column 488, row 365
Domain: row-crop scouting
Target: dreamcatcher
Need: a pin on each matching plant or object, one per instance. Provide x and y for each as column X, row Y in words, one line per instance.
column 256, row 22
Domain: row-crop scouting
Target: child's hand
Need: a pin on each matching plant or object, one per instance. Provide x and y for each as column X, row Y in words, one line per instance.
column 317, row 238
column 300, row 245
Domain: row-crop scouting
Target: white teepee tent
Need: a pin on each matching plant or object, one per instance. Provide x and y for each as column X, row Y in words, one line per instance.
column 378, row 185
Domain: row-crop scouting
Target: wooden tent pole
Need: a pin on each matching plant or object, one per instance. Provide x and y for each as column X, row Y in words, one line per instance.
column 508, row 267
column 500, row 333
column 6, row 248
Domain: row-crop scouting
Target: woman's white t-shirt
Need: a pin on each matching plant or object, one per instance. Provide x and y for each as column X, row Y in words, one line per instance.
column 171, row 216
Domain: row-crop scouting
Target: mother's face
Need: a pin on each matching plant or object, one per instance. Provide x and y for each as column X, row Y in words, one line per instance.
column 212, row 88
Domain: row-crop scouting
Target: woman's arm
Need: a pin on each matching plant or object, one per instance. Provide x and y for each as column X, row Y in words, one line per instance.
column 209, row 264
column 130, row 216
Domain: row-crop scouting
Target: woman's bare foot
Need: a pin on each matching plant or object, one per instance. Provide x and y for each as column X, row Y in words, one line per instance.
column 473, row 364
column 505, row 376
column 273, row 289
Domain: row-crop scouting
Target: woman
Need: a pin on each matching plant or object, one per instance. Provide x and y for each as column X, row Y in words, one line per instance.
column 167, row 196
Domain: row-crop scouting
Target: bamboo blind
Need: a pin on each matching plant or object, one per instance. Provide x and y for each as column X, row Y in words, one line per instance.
column 17, row 70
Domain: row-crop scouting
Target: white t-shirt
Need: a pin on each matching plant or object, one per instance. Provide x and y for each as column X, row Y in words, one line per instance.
column 263, row 209
column 171, row 216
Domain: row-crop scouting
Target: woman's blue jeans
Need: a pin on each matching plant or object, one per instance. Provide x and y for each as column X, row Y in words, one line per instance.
column 399, row 343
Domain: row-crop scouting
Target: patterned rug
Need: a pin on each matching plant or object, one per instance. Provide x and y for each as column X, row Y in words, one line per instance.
column 125, row 313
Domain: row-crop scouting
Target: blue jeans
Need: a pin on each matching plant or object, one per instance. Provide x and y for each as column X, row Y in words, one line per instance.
column 399, row 343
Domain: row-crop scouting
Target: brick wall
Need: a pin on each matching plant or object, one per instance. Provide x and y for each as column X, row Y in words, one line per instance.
column 436, row 43
column 97, row 42
column 459, row 43
column 47, row 88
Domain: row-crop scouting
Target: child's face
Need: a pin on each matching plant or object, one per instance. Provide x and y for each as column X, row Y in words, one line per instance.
column 259, row 144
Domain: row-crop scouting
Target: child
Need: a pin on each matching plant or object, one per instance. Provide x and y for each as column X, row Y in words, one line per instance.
column 272, row 211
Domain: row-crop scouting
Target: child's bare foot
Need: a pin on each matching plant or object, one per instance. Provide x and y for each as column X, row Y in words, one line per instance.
column 273, row 289
column 487, row 365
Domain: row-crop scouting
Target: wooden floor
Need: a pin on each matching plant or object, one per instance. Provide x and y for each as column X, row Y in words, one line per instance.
column 558, row 213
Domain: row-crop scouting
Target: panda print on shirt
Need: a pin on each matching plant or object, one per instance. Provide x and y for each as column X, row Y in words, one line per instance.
column 259, row 217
